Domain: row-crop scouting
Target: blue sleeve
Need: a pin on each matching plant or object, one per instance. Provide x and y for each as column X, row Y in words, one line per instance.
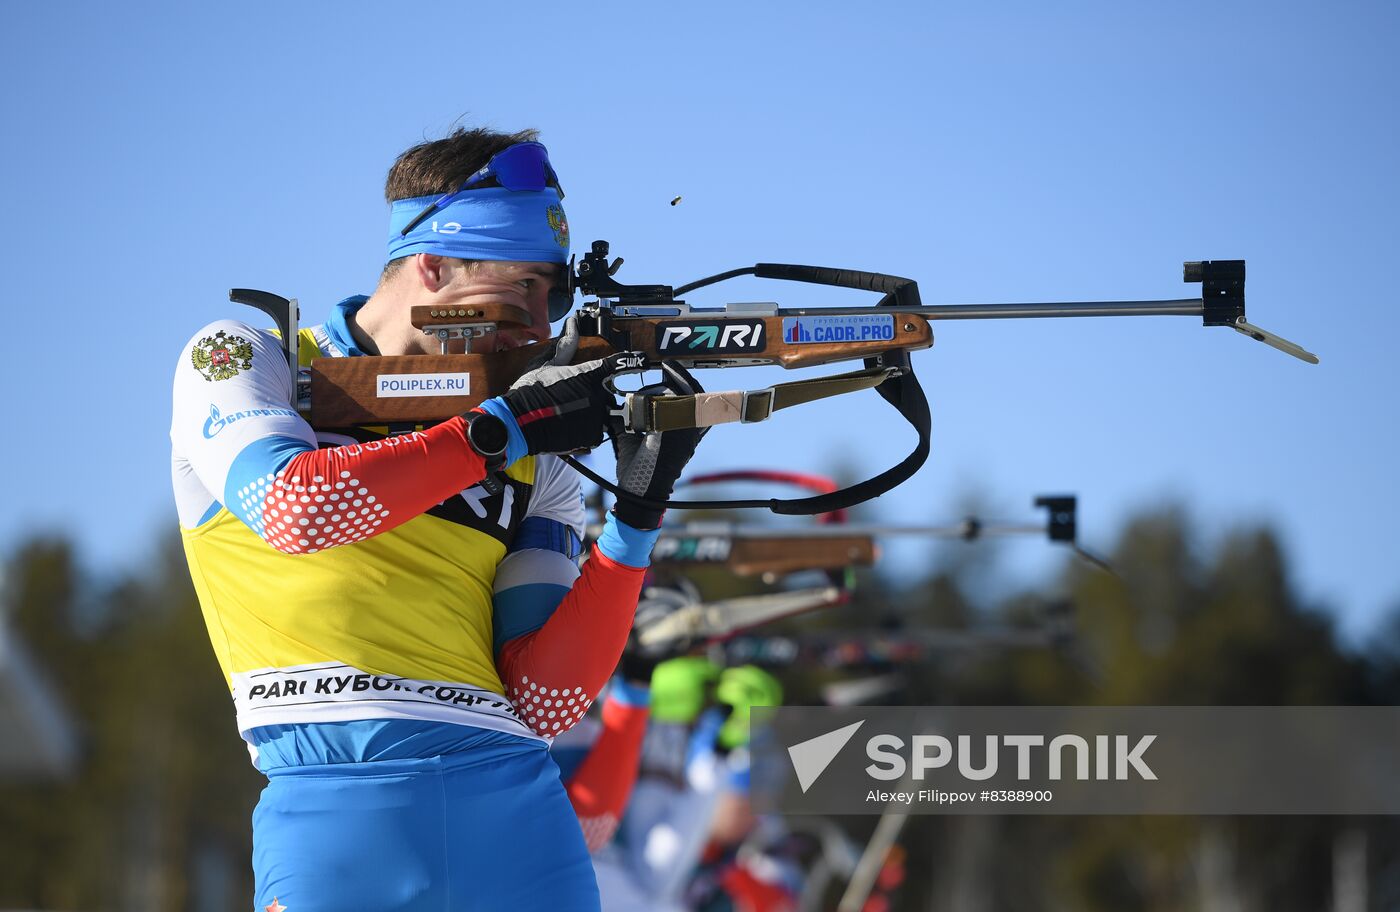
column 626, row 545
column 533, row 579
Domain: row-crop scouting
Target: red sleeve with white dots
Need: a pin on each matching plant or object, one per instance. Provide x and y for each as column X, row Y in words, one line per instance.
column 603, row 782
column 553, row 674
column 334, row 496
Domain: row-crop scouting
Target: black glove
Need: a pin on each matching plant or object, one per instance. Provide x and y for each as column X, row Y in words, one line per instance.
column 562, row 407
column 649, row 465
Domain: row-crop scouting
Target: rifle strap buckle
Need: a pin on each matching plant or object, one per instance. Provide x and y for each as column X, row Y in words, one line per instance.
column 756, row 405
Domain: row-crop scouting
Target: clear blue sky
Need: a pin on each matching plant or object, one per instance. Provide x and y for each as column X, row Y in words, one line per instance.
column 155, row 156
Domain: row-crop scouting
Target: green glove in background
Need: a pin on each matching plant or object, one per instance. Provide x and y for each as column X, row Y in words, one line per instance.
column 680, row 688
column 741, row 689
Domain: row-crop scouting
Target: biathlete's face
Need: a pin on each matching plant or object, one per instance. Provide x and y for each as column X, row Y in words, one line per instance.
column 523, row 285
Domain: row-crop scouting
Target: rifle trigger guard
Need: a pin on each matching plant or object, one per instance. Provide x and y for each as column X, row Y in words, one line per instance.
column 632, row 412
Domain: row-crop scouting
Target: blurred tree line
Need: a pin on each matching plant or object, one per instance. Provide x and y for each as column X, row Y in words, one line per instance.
column 158, row 818
column 1174, row 624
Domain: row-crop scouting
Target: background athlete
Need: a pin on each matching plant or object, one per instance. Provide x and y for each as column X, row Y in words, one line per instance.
column 402, row 643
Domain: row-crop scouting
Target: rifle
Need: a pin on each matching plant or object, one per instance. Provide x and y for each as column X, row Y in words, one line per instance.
column 748, row 549
column 845, row 649
column 653, row 328
column 832, row 545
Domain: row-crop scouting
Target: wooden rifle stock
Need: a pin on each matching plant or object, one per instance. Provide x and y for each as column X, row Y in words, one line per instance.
column 415, row 389
column 776, row 554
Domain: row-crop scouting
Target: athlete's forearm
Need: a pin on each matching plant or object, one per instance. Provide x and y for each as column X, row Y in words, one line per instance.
column 553, row 674
column 601, row 787
column 301, row 500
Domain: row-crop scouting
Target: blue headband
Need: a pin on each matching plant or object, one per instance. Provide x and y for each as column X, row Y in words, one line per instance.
column 491, row 223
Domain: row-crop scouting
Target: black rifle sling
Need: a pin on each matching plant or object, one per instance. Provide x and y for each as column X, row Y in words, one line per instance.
column 901, row 391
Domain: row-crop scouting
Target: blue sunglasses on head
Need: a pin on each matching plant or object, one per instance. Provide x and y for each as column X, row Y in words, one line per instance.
column 523, row 166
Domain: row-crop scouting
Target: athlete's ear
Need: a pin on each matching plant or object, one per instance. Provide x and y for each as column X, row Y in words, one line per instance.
column 431, row 271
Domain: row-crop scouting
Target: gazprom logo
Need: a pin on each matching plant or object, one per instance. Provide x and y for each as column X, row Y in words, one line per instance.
column 216, row 421
column 726, row 337
column 447, row 227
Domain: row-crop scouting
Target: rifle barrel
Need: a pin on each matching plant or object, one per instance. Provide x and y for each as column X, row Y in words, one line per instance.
column 837, row 530
column 1179, row 307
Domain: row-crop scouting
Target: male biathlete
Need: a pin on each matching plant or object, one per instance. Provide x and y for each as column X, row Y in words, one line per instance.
column 402, row 642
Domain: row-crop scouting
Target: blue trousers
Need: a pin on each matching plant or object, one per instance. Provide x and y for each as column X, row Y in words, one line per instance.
column 483, row 829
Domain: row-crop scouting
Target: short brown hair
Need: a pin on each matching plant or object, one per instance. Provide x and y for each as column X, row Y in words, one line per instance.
column 440, row 165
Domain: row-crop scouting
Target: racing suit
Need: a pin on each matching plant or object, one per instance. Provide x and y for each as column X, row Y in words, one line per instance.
column 400, row 644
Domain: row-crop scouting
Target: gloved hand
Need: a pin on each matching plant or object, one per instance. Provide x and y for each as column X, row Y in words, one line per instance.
column 558, row 407
column 680, row 688
column 649, row 465
column 740, row 689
